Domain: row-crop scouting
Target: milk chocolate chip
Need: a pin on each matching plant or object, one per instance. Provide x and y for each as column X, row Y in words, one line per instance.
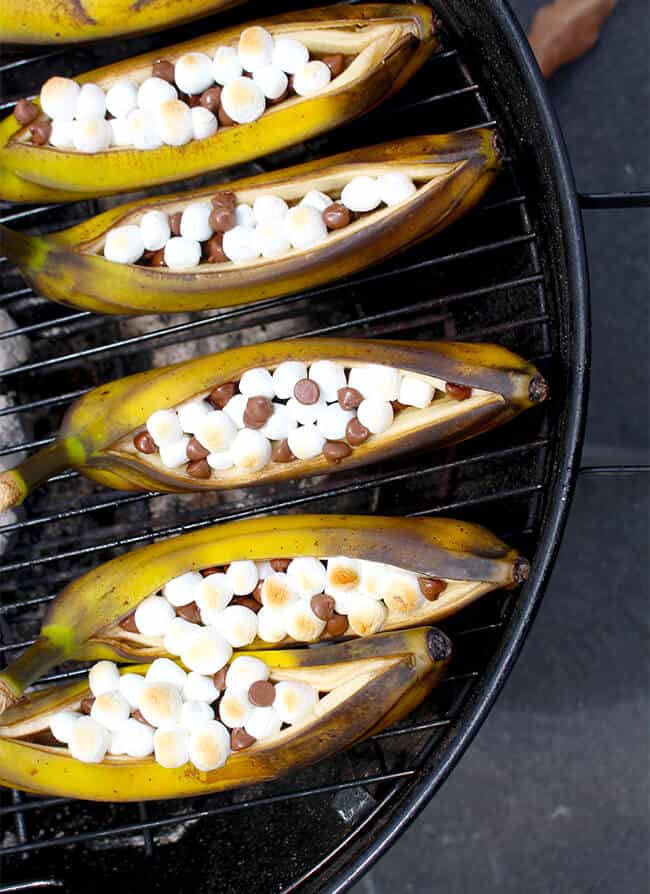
column 40, row 133
column 281, row 453
column 337, row 625
column 219, row 679
column 224, row 118
column 144, row 442
column 306, row 391
column 349, row 398
column 431, row 587
column 86, row 704
column 210, row 99
column 195, row 450
column 163, row 69
column 335, row 451
column 220, row 395
column 336, row 216
column 261, row 693
column 224, row 198
column 157, row 259
column 25, row 111
column 213, row 249
column 222, row 218
column 175, row 223
column 335, row 62
column 280, row 564
column 189, row 612
column 458, row 392
column 129, row 624
column 356, row 433
column 247, row 602
column 239, row 739
column 323, row 607
column 258, row 411
column 198, row 469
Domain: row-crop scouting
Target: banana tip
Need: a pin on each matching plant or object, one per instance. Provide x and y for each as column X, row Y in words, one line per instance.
column 521, row 571
column 7, row 697
column 538, row 389
column 438, row 645
column 10, row 494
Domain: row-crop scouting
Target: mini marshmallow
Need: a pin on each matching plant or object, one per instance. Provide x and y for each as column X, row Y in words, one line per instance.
column 311, row 78
column 257, row 382
column 277, row 592
column 153, row 616
column 269, row 207
column 401, row 592
column 343, row 581
column 120, row 132
column 330, row 377
column 376, row 415
column 307, row 576
column 285, row 377
column 155, row 230
column 160, row 703
column 255, row 48
column 153, row 92
column 294, row 700
column 91, row 135
column 244, row 216
column 143, row 130
column 306, row 442
column 204, row 123
column 376, row 381
column 318, row 200
column 193, row 73
column 395, row 187
column 263, row 723
column 59, row 97
column 182, row 590
column 242, row 100
column 226, row 65
column 135, row 738
column 182, row 254
column 279, row 424
column 271, row 625
column 264, row 569
column 302, row 623
column 289, row 54
column 124, row 245
column 131, row 688
column 62, row 723
column 372, row 578
column 219, row 462
column 245, row 670
column 91, row 102
column 209, row 746
column 89, row 741
column 238, row 625
column 174, row 123
column 240, row 244
column 207, row 652
column 361, row 194
column 199, row 688
column 366, row 615
column 103, row 677
column 271, row 80
column 305, row 414
column 235, row 409
column 173, row 456
column 110, row 709
column 62, row 134
column 116, row 745
column 195, row 221
column 332, row 422
column 216, row 431
column 272, row 238
column 234, row 708
column 122, row 98
column 250, row 450
column 164, row 427
column 163, row 670
column 415, row 392
column 171, row 746
column 242, row 577
column 194, row 714
column 305, row 227
column 179, row 635
column 191, row 413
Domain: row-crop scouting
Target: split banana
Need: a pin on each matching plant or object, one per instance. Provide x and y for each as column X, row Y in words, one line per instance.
column 365, row 400
column 385, row 44
column 451, row 173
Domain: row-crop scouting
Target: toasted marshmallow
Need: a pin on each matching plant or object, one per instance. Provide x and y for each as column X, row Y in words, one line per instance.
column 160, row 703
column 366, row 615
column 377, row 415
column 171, row 746
column 318, row 200
column 155, row 230
column 332, row 422
column 306, row 441
column 174, row 123
column 241, row 244
column 395, row 187
column 193, row 73
column 191, row 413
column 264, row 569
column 175, row 455
column 164, row 427
column 257, row 382
column 238, row 625
column 120, row 132
column 110, row 709
column 91, row 135
column 216, row 431
column 305, row 227
column 269, row 207
column 415, row 392
column 182, row 590
column 143, row 129
column 91, row 102
column 124, row 245
column 62, row 723
column 376, row 381
column 213, row 596
column 242, row 577
column 330, row 377
column 263, row 723
column 373, row 575
column 277, row 592
column 195, row 221
column 255, row 48
column 153, row 616
column 122, row 98
column 361, row 194
column 221, row 461
column 209, row 746
column 401, row 592
column 234, row 708
column 103, row 677
column 244, row 216
column 302, row 623
column 207, row 652
column 89, row 741
column 179, row 635
column 305, row 413
column 162, row 670
column 271, row 80
column 307, row 576
column 294, row 700
column 235, row 409
column 272, row 238
column 195, row 713
column 280, row 423
column 116, row 745
column 250, row 450
column 226, row 65
column 131, row 688
column 245, row 670
column 204, row 123
column 199, row 688
column 289, row 54
column 311, row 78
column 135, row 738
column 285, row 377
column 343, row 581
column 153, row 92
column 62, row 134
column 182, row 254
column 271, row 625
column 59, row 97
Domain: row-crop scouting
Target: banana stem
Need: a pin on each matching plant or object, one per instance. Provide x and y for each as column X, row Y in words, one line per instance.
column 40, row 657
column 21, row 249
column 16, row 483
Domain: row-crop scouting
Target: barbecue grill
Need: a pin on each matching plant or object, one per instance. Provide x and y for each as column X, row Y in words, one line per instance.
column 514, row 272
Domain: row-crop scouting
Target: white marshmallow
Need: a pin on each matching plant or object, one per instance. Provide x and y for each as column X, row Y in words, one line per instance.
column 179, row 635
column 244, row 216
column 294, row 700
column 209, row 746
column 305, row 414
column 332, row 422
column 62, row 134
column 277, row 592
column 311, row 78
column 194, row 714
column 395, row 187
column 271, row 625
column 182, row 590
column 62, row 723
column 174, row 123
column 120, row 132
column 306, row 442
column 372, row 578
column 89, row 741
column 415, row 392
column 216, row 431
column 305, row 227
column 367, row 615
column 272, row 238
column 318, row 200
column 250, row 450
column 255, row 47
column 234, row 708
column 124, row 245
column 171, row 746
column 116, row 745
column 207, row 652
column 164, row 427
column 302, row 623
column 182, row 254
column 135, row 738
column 307, row 576
column 263, row 723
column 242, row 577
column 238, row 624
column 59, row 97
column 343, row 581
column 122, row 98
column 221, row 461
column 91, row 135
column 226, row 65
column 376, row 381
column 279, row 424
column 163, row 670
column 190, row 414
column 361, row 194
column 269, row 207
column 264, row 569
column 285, row 377
column 195, row 221
column 175, row 455
column 153, row 92
column 240, row 245
column 242, row 100
column 245, row 670
column 110, row 709
column 142, row 126
column 193, row 73
column 289, row 54
column 204, row 123
column 91, row 102
column 271, row 80
column 131, row 688
column 155, row 230
column 153, row 616
column 376, row 415
column 329, row 376
column 213, row 596
column 160, row 703
column 103, row 677
column 257, row 382
column 401, row 592
column 199, row 688
column 235, row 409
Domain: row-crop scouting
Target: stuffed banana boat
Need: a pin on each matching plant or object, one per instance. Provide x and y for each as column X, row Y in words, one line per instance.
column 279, row 410
column 264, row 236
column 254, row 583
column 211, row 102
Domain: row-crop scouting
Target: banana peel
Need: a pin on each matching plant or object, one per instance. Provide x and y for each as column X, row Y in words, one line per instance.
column 96, row 436
column 452, row 172
column 82, row 623
column 389, row 43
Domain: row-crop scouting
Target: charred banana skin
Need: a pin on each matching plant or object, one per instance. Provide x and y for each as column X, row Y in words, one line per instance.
column 402, row 669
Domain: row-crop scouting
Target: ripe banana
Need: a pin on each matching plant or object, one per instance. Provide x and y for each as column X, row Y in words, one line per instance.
column 97, row 433
column 83, row 622
column 389, row 43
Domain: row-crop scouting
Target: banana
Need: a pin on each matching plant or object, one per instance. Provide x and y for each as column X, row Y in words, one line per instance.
column 84, row 621
column 452, row 172
column 387, row 42
column 97, row 433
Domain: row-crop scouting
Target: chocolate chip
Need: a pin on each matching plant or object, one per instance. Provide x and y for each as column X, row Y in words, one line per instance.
column 220, row 395
column 139, row 716
column 25, row 111
column 193, row 100
column 239, row 739
column 222, row 218
column 189, row 612
column 261, row 693
column 335, row 62
column 349, row 398
column 210, row 99
column 281, row 453
column 290, row 88
column 213, row 249
column 219, row 679
column 86, row 704
column 356, row 433
column 258, row 411
column 257, row 592
column 224, row 118
column 323, row 607
column 215, row 569
column 458, row 392
column 175, row 223
column 280, row 564
column 198, row 469
column 144, row 442
column 337, row 625
column 247, row 602
column 40, row 133
column 158, row 258
column 224, row 198
column 163, row 69
column 128, row 624
column 431, row 587
column 306, row 391
column 397, row 406
column 336, row 216
column 195, row 450
column 335, row 451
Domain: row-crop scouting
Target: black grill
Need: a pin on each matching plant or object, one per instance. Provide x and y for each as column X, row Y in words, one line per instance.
column 511, row 272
